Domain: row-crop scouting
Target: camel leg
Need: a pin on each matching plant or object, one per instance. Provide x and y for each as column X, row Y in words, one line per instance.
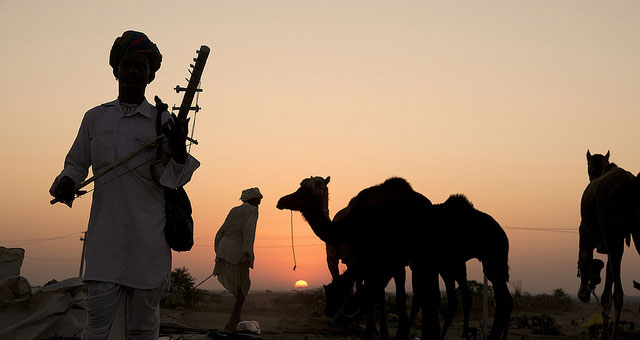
column 496, row 273
column 452, row 301
column 415, row 305
column 367, row 304
column 605, row 301
column 333, row 260
column 399, row 278
column 426, row 281
column 504, row 306
column 618, row 294
column 384, row 328
column 466, row 303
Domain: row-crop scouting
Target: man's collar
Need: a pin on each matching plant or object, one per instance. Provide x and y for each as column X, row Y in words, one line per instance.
column 144, row 108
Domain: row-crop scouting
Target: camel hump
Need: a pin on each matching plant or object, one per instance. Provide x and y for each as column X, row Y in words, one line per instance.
column 459, row 201
column 397, row 184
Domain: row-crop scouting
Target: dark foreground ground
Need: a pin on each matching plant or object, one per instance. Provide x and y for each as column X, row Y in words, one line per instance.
column 299, row 315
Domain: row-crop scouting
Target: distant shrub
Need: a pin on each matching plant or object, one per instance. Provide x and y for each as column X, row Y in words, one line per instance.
column 558, row 301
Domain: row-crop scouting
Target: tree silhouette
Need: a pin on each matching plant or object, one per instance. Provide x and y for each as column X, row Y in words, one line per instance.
column 181, row 290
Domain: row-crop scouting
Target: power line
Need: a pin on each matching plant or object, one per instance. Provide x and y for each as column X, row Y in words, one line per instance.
column 39, row 240
column 554, row 230
column 282, row 246
column 47, row 259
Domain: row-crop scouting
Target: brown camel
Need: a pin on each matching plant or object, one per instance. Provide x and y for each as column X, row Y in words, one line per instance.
column 610, row 215
column 393, row 224
column 456, row 273
column 341, row 288
column 372, row 214
column 462, row 233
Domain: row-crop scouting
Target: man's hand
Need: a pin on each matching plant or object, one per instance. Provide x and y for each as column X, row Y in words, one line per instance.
column 65, row 191
column 176, row 132
column 247, row 258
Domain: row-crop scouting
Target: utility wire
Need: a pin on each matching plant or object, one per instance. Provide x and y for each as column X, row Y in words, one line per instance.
column 46, row 259
column 554, row 230
column 40, row 240
column 283, row 246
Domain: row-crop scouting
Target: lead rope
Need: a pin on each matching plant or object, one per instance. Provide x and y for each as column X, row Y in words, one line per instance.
column 293, row 249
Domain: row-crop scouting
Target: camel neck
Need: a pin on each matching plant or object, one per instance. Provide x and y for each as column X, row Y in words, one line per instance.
column 321, row 225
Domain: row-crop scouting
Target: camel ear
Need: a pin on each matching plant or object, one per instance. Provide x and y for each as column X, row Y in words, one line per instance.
column 327, row 180
column 588, row 154
column 607, row 156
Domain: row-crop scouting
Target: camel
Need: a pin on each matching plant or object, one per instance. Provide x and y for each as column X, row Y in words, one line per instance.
column 372, row 215
column 339, row 289
column 462, row 233
column 597, row 165
column 395, row 224
column 458, row 273
column 610, row 215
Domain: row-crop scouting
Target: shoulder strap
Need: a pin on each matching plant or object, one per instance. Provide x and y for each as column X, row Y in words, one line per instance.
column 158, row 123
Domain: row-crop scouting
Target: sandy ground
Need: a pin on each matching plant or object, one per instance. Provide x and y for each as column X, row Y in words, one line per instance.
column 291, row 315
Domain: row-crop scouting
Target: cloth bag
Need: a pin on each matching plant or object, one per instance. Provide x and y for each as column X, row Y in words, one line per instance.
column 178, row 230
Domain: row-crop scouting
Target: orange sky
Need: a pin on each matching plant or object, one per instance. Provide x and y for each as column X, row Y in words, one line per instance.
column 498, row 100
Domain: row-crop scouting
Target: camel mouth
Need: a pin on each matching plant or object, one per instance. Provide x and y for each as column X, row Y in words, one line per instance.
column 584, row 296
column 287, row 202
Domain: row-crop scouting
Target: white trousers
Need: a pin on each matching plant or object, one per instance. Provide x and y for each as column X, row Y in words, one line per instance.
column 118, row 312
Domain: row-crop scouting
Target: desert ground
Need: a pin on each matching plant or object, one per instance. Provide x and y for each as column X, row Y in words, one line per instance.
column 300, row 315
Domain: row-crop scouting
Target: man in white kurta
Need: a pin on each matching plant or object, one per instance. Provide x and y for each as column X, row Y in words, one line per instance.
column 234, row 250
column 128, row 261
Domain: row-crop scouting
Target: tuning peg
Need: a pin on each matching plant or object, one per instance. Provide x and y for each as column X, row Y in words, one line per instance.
column 191, row 65
column 195, row 59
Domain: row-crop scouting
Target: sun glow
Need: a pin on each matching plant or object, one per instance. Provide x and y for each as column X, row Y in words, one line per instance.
column 301, row 284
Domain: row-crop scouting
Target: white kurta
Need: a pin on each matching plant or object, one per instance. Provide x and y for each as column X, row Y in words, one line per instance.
column 236, row 235
column 125, row 238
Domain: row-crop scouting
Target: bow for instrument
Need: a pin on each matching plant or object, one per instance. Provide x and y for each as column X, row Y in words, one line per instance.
column 185, row 107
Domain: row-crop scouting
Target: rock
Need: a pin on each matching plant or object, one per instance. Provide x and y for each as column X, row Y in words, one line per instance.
column 10, row 261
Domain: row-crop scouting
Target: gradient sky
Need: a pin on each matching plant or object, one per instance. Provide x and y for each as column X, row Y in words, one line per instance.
column 498, row 100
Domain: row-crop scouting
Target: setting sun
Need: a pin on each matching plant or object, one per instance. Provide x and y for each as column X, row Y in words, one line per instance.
column 301, row 284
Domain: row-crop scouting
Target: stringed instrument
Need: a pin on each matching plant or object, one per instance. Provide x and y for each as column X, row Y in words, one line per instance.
column 185, row 107
column 189, row 92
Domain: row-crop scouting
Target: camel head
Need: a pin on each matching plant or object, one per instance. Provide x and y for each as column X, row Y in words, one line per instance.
column 589, row 274
column 312, row 193
column 336, row 293
column 596, row 164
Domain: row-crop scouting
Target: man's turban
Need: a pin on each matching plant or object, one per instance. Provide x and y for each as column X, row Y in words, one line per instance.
column 130, row 42
column 250, row 193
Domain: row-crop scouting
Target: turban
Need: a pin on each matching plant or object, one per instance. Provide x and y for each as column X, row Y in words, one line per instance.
column 130, row 42
column 250, row 193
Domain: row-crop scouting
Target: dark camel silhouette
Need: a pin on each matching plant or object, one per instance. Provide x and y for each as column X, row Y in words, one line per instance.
column 372, row 215
column 456, row 273
column 462, row 233
column 393, row 224
column 339, row 289
column 610, row 215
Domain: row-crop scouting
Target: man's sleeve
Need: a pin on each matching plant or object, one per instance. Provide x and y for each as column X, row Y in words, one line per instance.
column 220, row 233
column 176, row 174
column 78, row 160
column 249, row 231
